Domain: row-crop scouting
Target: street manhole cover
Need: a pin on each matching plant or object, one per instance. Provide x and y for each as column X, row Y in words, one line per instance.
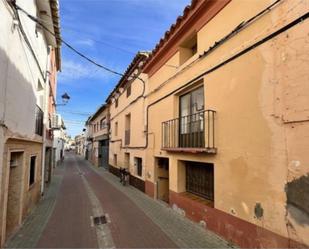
column 99, row 220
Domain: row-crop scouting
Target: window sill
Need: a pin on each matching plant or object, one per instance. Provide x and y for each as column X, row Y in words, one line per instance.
column 192, row 150
column 198, row 199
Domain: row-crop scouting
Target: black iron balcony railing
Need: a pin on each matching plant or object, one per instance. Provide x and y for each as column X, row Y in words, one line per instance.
column 127, row 137
column 39, row 115
column 194, row 132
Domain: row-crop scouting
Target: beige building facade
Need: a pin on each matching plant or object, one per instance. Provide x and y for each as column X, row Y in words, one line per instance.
column 214, row 121
column 127, row 123
column 228, row 120
column 97, row 138
column 221, row 127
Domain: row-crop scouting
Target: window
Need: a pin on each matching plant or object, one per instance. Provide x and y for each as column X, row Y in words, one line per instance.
column 128, row 91
column 200, row 179
column 116, row 103
column 127, row 129
column 103, row 123
column 115, row 159
column 116, row 128
column 39, row 115
column 32, row 170
column 187, row 49
column 139, row 166
column 192, row 118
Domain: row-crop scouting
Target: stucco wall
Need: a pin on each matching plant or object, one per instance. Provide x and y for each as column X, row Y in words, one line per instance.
column 29, row 195
column 255, row 97
column 19, row 95
column 99, row 131
column 58, row 143
column 137, row 127
column 19, row 72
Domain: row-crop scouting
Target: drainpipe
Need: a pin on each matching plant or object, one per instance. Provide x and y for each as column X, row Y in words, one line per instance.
column 45, row 119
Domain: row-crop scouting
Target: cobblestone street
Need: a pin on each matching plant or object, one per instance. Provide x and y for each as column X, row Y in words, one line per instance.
column 79, row 192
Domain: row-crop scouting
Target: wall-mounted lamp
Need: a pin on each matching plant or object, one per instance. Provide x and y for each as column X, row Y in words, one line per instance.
column 65, row 99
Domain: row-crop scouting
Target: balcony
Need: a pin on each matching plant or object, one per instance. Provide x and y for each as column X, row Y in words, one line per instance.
column 193, row 133
column 127, row 137
column 39, row 115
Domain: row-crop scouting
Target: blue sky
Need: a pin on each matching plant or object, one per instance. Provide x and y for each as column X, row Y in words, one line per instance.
column 110, row 32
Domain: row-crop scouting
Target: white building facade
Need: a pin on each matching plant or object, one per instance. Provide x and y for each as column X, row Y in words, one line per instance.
column 59, row 140
column 24, row 86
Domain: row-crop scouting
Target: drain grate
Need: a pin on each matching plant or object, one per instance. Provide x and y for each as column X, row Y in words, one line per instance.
column 99, row 220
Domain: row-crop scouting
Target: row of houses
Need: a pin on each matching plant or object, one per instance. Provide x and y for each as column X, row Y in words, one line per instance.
column 32, row 134
column 214, row 121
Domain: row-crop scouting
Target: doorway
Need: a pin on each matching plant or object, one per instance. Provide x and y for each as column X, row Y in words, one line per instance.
column 48, row 164
column 192, row 120
column 14, row 201
column 103, row 153
column 162, row 166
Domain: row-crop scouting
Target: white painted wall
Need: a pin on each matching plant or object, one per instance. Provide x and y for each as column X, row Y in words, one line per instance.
column 19, row 73
column 1, row 153
column 59, row 140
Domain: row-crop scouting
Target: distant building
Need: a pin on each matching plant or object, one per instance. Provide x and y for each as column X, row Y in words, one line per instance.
column 29, row 61
column 97, row 137
column 59, row 140
column 80, row 144
column 127, row 105
column 51, row 118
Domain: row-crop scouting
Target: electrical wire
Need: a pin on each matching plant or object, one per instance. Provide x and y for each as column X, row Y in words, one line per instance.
column 221, row 64
column 34, row 19
column 21, row 28
column 100, row 42
column 76, row 113
column 87, row 35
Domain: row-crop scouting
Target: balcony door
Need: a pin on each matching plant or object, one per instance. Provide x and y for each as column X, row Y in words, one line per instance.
column 191, row 120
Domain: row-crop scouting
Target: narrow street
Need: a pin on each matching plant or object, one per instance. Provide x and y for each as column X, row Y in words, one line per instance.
column 202, row 106
column 85, row 192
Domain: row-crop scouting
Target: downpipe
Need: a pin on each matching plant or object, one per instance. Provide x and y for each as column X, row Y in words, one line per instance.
column 45, row 119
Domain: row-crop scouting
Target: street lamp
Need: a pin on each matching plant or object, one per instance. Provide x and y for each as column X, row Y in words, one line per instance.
column 65, row 99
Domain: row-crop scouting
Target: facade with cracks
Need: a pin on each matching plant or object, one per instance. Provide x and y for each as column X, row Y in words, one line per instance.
column 228, row 120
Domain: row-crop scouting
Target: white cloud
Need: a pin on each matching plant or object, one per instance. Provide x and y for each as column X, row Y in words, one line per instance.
column 86, row 42
column 72, row 70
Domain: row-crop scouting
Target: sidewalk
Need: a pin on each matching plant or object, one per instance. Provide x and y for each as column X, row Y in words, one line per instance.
column 183, row 232
column 50, row 224
column 33, row 226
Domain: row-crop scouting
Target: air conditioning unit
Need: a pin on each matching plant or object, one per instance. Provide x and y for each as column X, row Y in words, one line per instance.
column 56, row 121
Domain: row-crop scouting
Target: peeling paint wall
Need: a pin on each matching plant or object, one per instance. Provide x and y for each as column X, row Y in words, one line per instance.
column 262, row 127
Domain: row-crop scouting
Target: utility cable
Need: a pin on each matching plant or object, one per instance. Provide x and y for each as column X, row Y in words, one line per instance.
column 21, row 28
column 76, row 113
column 34, row 19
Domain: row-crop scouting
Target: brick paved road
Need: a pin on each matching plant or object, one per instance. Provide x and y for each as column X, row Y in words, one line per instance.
column 130, row 227
column 134, row 220
column 69, row 225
